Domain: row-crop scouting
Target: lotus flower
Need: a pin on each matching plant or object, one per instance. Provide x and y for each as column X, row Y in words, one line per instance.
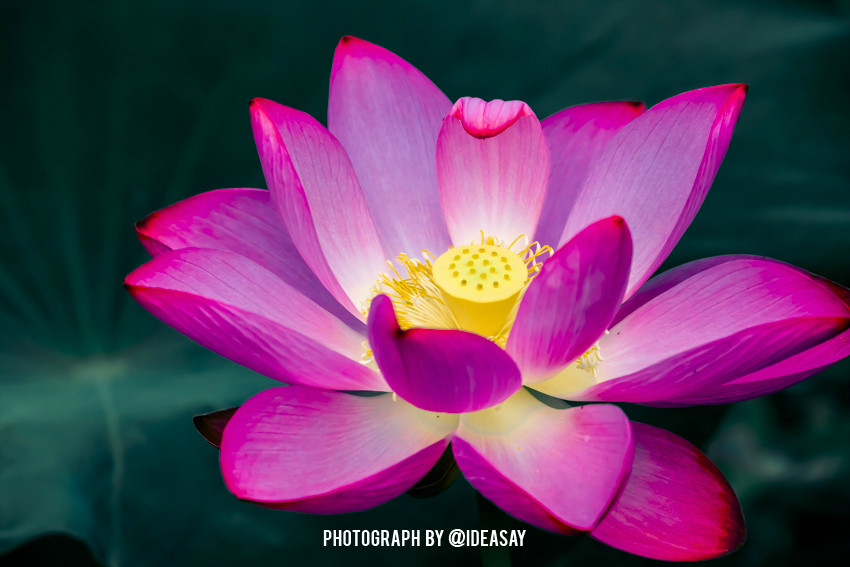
column 539, row 239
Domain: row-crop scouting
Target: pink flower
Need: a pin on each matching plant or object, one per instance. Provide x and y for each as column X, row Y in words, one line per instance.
column 284, row 282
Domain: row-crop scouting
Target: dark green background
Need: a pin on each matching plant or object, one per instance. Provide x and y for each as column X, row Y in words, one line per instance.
column 113, row 110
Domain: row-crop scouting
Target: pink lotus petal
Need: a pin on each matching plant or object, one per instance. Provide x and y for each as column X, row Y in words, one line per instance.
column 779, row 376
column 316, row 192
column 439, row 370
column 720, row 320
column 572, row 301
column 656, row 171
column 504, row 493
column 666, row 280
column 235, row 307
column 556, row 469
column 675, row 506
column 576, row 137
column 492, row 168
column 242, row 221
column 328, row 452
column 152, row 245
column 387, row 116
column 774, row 378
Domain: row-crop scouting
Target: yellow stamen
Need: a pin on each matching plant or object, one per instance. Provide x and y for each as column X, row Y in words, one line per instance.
column 416, row 299
column 367, row 357
column 581, row 374
column 590, row 360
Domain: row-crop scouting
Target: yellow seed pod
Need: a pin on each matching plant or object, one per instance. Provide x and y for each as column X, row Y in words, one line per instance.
column 480, row 284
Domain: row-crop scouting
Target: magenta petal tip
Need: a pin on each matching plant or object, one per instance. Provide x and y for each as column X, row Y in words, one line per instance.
column 675, row 504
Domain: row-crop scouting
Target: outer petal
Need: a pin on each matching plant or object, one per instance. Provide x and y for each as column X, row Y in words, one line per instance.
column 572, row 301
column 328, row 452
column 440, row 370
column 316, row 192
column 556, row 469
column 243, row 221
column 675, row 505
column 669, row 279
column 774, row 378
column 492, row 168
column 240, row 310
column 656, row 172
column 387, row 115
column 576, row 137
column 781, row 375
column 732, row 318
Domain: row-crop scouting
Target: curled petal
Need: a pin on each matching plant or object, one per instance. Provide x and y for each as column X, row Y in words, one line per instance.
column 387, row 116
column 235, row 307
column 328, row 452
column 483, row 119
column 656, row 171
column 576, row 137
column 439, row 370
column 316, row 192
column 708, row 324
column 675, row 505
column 492, row 169
column 572, row 301
column 243, row 221
column 558, row 469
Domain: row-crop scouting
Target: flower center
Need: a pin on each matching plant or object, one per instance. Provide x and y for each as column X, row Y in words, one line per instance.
column 480, row 284
column 474, row 288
